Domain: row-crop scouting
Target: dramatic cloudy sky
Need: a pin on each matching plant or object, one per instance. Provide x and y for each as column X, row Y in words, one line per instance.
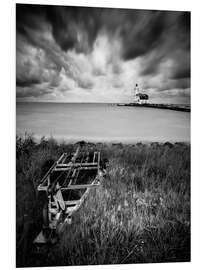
column 77, row 54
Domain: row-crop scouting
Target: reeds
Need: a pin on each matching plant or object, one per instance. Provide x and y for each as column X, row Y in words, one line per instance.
column 140, row 214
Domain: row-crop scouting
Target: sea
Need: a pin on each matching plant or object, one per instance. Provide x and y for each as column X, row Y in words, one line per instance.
column 98, row 122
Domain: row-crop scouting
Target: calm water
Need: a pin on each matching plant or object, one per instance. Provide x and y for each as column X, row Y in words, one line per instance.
column 102, row 122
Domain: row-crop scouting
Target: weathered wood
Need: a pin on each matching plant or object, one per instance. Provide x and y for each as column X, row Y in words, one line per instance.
column 72, row 202
column 73, row 168
column 76, row 154
column 79, row 168
column 75, row 165
column 98, row 161
column 42, row 188
column 71, row 209
column 60, row 199
column 72, row 187
column 94, row 156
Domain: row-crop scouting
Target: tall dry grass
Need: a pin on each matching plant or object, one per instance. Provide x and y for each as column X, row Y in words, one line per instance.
column 140, row 214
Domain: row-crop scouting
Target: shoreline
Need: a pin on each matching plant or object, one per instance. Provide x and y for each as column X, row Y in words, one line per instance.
column 62, row 140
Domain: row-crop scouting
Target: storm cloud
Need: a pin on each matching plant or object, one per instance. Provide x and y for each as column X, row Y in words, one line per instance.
column 98, row 54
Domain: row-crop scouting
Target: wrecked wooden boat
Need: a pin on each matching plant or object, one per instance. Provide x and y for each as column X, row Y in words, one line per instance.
column 65, row 187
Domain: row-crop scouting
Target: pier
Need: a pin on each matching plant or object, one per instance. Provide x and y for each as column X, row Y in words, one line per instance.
column 174, row 107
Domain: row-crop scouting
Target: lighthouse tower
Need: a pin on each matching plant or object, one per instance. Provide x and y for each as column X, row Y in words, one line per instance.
column 136, row 94
column 138, row 97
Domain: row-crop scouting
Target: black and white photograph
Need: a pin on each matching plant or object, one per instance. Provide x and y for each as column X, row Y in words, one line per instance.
column 103, row 145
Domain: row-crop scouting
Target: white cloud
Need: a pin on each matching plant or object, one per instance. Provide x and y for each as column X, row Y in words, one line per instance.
column 100, row 75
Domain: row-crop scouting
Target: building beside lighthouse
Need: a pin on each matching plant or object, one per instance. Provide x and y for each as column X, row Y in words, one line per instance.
column 138, row 97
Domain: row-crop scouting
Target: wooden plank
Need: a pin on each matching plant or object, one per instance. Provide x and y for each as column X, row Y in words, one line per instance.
column 98, row 161
column 72, row 177
column 80, row 186
column 71, row 209
column 76, row 164
column 42, row 188
column 60, row 199
column 88, row 168
column 78, row 168
column 76, row 154
column 95, row 153
column 72, row 202
column 48, row 180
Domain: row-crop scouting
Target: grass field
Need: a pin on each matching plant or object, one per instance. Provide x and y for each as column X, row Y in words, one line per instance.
column 140, row 214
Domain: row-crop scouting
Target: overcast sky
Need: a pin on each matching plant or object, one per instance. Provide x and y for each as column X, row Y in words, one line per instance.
column 78, row 54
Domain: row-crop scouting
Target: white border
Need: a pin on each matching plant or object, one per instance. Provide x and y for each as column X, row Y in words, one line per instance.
column 144, row 4
column 7, row 140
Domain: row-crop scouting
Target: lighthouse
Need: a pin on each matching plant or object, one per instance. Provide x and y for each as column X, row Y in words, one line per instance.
column 138, row 97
